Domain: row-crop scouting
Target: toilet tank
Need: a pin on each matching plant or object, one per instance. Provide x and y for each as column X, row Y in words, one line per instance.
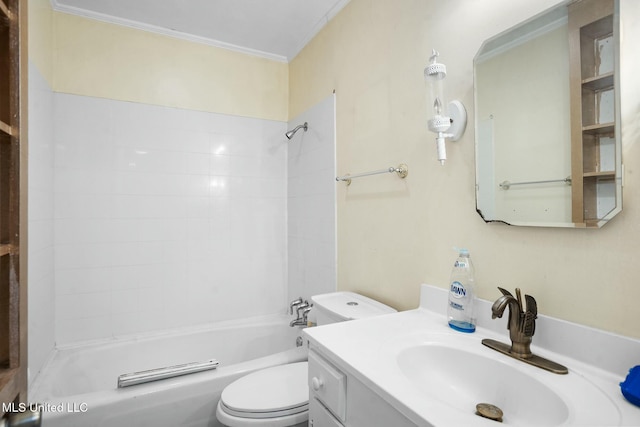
column 340, row 306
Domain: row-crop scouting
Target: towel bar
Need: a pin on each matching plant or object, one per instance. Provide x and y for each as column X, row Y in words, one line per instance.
column 402, row 170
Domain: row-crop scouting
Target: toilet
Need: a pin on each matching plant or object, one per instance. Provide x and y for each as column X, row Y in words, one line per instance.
column 279, row 396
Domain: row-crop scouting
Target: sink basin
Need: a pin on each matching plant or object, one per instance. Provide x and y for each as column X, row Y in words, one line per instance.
column 462, row 378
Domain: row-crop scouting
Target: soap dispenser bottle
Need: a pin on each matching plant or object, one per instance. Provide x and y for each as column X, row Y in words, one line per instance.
column 460, row 309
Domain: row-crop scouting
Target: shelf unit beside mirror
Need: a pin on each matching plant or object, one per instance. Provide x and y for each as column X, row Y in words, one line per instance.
column 592, row 51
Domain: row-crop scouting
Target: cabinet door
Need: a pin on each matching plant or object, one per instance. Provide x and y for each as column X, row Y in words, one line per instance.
column 319, row 416
column 365, row 408
column 328, row 385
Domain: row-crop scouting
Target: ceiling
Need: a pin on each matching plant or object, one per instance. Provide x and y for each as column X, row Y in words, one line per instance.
column 276, row 29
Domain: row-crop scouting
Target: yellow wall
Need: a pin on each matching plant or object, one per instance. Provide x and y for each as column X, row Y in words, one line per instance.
column 40, row 37
column 395, row 234
column 94, row 58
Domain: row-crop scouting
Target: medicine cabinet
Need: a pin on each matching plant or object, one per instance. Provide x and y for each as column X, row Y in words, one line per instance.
column 548, row 144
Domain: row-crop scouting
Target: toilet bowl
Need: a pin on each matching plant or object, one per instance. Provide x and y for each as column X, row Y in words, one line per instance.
column 279, row 396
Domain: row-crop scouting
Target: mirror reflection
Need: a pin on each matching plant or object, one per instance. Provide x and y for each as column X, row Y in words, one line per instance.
column 547, row 150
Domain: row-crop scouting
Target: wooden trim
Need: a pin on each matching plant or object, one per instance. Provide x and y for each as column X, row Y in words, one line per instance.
column 586, row 21
column 13, row 283
column 5, row 127
column 587, row 11
column 8, row 384
column 600, row 128
column 601, row 174
column 22, row 250
column 5, row 250
column 599, row 82
column 14, row 188
column 575, row 106
column 5, row 9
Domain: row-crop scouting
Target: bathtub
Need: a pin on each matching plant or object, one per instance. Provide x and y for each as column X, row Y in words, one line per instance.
column 78, row 384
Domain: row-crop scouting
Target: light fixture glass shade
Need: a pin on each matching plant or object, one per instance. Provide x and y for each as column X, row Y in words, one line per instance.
column 446, row 119
column 437, row 104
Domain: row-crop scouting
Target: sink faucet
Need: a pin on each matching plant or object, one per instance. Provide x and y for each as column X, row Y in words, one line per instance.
column 522, row 323
column 522, row 326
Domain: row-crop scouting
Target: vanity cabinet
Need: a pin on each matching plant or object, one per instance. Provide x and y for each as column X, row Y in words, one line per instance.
column 592, row 51
column 338, row 399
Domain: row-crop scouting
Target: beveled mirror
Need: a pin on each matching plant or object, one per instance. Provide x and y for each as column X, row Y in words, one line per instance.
column 547, row 97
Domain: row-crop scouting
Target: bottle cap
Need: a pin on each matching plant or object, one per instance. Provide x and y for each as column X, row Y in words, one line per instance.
column 462, row 251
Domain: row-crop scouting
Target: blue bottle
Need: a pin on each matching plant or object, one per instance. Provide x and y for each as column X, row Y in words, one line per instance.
column 460, row 309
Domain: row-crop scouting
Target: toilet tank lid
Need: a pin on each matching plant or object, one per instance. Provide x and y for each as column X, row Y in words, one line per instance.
column 349, row 305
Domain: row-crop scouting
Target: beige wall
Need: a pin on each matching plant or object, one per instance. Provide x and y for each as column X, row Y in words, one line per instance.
column 87, row 57
column 40, row 37
column 395, row 234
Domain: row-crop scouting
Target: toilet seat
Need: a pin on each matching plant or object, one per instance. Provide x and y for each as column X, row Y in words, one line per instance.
column 276, row 396
column 263, row 415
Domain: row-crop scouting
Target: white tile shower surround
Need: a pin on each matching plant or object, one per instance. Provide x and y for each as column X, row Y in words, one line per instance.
column 311, row 228
column 40, row 220
column 164, row 217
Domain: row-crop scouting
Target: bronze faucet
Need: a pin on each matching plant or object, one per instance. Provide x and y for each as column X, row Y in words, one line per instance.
column 522, row 326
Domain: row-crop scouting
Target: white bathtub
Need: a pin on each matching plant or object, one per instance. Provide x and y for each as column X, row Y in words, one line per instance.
column 78, row 385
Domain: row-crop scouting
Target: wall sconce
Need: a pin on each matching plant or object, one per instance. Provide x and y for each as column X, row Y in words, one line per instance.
column 447, row 120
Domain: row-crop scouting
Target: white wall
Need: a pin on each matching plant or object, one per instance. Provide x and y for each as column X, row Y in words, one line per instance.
column 311, row 203
column 40, row 221
column 164, row 217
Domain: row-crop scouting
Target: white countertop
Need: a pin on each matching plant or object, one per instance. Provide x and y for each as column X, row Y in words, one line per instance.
column 367, row 349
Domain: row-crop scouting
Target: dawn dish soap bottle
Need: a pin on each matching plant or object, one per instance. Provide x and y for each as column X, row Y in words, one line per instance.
column 460, row 310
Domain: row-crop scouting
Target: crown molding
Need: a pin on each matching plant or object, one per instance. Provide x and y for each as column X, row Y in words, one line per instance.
column 166, row 32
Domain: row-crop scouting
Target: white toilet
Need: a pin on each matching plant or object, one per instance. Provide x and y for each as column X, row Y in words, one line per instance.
column 279, row 396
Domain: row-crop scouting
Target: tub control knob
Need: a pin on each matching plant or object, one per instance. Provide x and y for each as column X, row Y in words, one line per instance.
column 316, row 383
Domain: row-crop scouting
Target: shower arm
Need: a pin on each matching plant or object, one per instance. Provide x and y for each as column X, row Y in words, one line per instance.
column 293, row 131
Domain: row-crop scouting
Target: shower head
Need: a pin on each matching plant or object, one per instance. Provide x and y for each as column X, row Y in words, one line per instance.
column 293, row 131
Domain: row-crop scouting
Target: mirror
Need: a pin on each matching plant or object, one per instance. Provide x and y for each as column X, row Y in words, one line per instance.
column 548, row 148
